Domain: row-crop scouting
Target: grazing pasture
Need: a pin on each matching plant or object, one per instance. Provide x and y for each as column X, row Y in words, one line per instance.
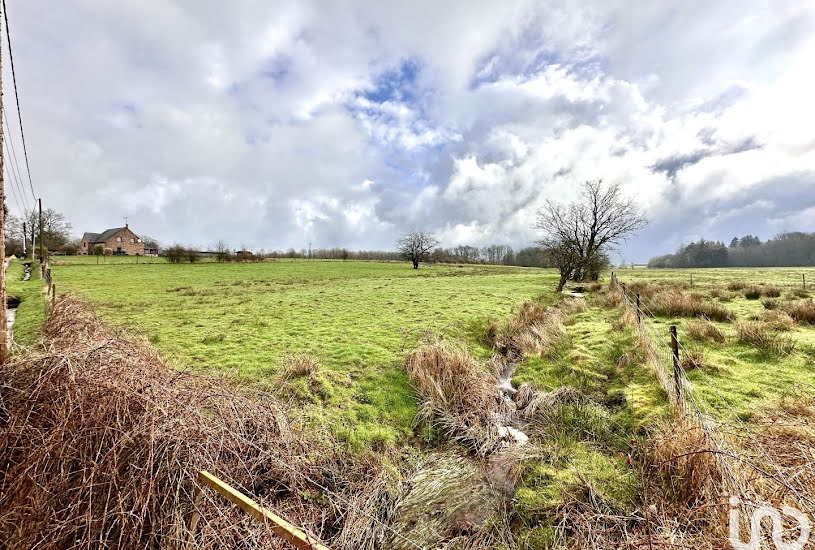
column 356, row 319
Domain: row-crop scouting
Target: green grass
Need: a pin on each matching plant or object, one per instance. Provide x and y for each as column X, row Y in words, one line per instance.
column 741, row 378
column 357, row 318
column 31, row 312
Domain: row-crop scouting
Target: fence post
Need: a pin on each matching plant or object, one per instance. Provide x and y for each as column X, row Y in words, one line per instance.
column 198, row 496
column 691, row 280
column 677, row 366
column 639, row 319
column 624, row 292
column 804, row 280
column 53, row 294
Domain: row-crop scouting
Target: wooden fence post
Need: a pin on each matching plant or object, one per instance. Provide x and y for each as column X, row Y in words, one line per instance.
column 197, row 497
column 53, row 294
column 639, row 319
column 677, row 365
column 624, row 292
column 691, row 280
column 804, row 280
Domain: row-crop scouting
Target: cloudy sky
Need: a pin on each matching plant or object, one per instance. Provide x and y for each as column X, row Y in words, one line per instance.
column 272, row 124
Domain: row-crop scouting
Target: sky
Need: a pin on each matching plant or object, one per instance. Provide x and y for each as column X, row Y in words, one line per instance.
column 270, row 125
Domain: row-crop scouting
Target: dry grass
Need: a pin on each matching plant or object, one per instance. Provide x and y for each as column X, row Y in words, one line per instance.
column 761, row 336
column 458, row 394
column 770, row 303
column 101, row 442
column 771, row 291
column 534, row 328
column 778, row 321
column 693, row 359
column 803, row 311
column 297, row 365
column 703, row 330
column 752, row 293
column 675, row 303
column 798, row 293
column 735, row 286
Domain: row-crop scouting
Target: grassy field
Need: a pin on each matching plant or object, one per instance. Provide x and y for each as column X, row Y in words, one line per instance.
column 331, row 337
column 738, row 377
column 356, row 318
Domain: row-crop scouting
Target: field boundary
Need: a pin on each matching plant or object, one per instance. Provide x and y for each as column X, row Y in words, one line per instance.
column 664, row 360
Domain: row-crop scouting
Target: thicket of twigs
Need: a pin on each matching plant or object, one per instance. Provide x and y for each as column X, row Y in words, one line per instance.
column 101, row 442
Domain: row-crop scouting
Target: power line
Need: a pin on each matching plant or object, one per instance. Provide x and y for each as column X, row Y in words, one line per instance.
column 15, row 180
column 15, row 165
column 17, row 100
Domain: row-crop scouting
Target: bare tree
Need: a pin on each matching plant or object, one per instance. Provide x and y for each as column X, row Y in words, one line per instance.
column 222, row 251
column 579, row 237
column 416, row 246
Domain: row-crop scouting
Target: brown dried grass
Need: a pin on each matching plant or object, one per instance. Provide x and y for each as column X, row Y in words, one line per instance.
column 803, row 311
column 675, row 303
column 703, row 330
column 101, row 442
column 761, row 336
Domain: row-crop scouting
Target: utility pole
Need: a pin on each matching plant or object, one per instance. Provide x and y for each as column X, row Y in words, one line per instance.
column 3, row 305
column 25, row 242
column 42, row 254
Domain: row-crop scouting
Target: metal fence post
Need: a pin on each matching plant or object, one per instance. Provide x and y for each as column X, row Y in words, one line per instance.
column 677, row 365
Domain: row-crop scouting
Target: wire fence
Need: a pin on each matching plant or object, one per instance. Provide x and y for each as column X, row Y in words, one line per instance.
column 733, row 442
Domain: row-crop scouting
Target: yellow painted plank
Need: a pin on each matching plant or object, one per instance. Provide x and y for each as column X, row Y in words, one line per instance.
column 280, row 526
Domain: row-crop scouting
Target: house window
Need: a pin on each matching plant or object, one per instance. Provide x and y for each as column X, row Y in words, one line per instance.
column 118, row 239
column 131, row 241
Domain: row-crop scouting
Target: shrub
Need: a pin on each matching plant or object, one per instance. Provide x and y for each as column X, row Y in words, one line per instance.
column 761, row 336
column 803, row 311
column 703, row 330
column 752, row 293
column 175, row 254
column 736, row 286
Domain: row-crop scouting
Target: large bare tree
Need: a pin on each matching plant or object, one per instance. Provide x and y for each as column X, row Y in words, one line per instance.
column 416, row 246
column 579, row 236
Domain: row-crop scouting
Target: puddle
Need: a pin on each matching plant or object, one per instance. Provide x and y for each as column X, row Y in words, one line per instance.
column 12, row 303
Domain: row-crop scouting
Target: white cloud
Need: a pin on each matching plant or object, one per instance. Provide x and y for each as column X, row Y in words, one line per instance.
column 266, row 123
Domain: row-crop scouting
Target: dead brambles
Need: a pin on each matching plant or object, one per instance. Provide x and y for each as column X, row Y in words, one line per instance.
column 104, row 440
column 761, row 336
column 703, row 330
column 675, row 303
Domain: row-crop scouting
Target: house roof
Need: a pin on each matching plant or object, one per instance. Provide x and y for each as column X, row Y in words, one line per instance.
column 103, row 236
column 108, row 233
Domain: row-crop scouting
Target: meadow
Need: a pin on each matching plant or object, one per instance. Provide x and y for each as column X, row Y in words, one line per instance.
column 339, row 341
column 354, row 320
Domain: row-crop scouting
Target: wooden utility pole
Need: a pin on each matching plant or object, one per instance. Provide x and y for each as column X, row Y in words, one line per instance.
column 42, row 257
column 3, row 320
column 25, row 242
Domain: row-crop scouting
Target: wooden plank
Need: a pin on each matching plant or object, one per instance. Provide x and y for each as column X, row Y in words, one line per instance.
column 280, row 526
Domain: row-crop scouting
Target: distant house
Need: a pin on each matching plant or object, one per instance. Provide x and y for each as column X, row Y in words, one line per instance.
column 119, row 241
column 244, row 254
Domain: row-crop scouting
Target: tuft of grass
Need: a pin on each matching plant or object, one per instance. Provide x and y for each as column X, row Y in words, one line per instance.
column 771, row 291
column 703, row 330
column 297, row 365
column 675, row 303
column 761, row 336
column 779, row 321
column 752, row 293
column 693, row 359
column 735, row 286
column 770, row 303
column 803, row 311
column 798, row 293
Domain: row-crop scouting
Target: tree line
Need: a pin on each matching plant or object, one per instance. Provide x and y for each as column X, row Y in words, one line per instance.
column 790, row 249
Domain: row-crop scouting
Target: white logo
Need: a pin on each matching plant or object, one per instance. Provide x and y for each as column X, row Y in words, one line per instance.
column 778, row 528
